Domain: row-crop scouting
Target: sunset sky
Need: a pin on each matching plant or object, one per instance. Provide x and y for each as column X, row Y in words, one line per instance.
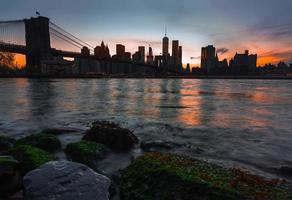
column 261, row 26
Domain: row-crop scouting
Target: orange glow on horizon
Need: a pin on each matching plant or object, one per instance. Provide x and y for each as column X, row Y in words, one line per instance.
column 20, row 60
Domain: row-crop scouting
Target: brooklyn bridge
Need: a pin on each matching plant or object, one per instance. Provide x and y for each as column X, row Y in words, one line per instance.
column 34, row 37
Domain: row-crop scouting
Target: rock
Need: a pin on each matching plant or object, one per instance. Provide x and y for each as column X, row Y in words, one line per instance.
column 62, row 180
column 6, row 143
column 10, row 177
column 111, row 135
column 286, row 171
column 47, row 142
column 157, row 145
column 30, row 157
column 172, row 177
column 85, row 152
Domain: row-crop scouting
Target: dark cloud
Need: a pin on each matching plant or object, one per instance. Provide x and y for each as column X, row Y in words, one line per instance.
column 222, row 50
column 196, row 58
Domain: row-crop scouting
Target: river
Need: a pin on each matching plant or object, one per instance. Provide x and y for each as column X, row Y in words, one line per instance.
column 242, row 123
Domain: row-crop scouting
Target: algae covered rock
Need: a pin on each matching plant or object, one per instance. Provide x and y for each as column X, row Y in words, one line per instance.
column 10, row 177
column 85, row 152
column 171, row 177
column 64, row 180
column 47, row 142
column 30, row 157
column 6, row 143
column 111, row 135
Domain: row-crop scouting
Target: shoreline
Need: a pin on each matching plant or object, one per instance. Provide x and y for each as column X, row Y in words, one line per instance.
column 36, row 76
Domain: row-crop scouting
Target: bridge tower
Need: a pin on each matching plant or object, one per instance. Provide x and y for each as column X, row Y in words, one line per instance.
column 37, row 37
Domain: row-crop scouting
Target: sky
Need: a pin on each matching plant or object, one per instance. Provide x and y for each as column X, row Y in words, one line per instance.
column 260, row 26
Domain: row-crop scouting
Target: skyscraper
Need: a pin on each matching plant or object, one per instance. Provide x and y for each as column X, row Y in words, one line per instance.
column 150, row 56
column 208, row 58
column 141, row 50
column 120, row 50
column 245, row 61
column 165, row 49
column 180, row 54
column 175, row 53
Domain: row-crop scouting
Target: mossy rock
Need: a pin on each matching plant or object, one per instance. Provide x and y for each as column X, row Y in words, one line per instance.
column 30, row 157
column 47, row 142
column 170, row 177
column 6, row 143
column 111, row 135
column 85, row 152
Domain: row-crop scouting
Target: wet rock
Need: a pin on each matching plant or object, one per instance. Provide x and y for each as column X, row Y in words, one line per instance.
column 10, row 177
column 172, row 177
column 285, row 171
column 157, row 145
column 47, row 142
column 30, row 157
column 6, row 143
column 61, row 180
column 86, row 152
column 111, row 135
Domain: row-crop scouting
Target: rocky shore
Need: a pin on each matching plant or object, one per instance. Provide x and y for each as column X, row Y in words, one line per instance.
column 30, row 169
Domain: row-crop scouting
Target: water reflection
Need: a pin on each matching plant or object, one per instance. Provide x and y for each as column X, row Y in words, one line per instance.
column 41, row 95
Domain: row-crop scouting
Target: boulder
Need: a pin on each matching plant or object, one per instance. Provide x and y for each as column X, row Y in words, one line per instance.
column 62, row 180
column 85, row 152
column 285, row 171
column 10, row 177
column 172, row 177
column 47, row 142
column 111, row 135
column 6, row 143
column 30, row 157
column 157, row 145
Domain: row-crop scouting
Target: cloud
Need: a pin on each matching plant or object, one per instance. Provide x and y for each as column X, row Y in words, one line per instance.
column 222, row 50
column 196, row 58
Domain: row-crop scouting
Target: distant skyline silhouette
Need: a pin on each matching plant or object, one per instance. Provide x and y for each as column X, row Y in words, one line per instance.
column 263, row 26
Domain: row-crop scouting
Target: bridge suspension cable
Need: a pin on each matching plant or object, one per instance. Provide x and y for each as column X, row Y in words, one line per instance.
column 65, row 38
column 68, row 36
column 12, row 32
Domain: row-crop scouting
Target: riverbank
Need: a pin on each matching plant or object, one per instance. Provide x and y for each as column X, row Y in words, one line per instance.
column 180, row 177
column 36, row 76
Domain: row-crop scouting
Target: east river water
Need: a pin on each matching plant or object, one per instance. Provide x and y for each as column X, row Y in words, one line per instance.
column 235, row 123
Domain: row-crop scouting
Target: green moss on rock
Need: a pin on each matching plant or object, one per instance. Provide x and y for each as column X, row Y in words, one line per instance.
column 47, row 142
column 30, row 157
column 111, row 135
column 168, row 176
column 85, row 152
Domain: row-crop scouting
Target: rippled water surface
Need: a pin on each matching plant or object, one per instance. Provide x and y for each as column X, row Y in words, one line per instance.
column 246, row 123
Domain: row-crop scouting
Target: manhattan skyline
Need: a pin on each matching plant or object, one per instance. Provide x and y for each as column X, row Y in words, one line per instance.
column 262, row 27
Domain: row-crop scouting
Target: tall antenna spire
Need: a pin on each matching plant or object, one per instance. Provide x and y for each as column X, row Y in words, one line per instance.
column 165, row 30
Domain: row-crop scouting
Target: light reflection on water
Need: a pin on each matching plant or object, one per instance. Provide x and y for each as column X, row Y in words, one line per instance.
column 242, row 121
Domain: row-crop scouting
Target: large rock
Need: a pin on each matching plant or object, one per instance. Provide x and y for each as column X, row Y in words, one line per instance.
column 47, row 142
column 6, row 143
column 64, row 180
column 30, row 157
column 111, row 135
column 85, row 152
column 9, row 175
column 172, row 177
